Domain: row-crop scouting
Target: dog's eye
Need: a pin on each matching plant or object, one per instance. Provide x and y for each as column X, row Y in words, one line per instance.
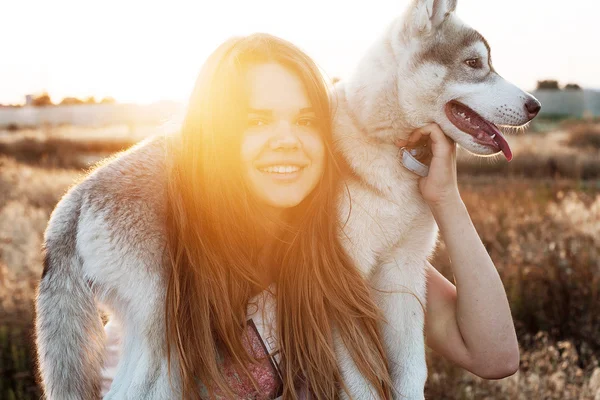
column 474, row 63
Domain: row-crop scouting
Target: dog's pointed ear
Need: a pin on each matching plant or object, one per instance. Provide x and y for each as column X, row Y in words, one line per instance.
column 427, row 15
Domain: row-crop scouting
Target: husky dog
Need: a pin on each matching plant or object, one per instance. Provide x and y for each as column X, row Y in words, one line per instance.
column 104, row 241
column 428, row 66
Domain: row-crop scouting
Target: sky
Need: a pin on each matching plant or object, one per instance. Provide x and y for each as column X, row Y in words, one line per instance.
column 146, row 51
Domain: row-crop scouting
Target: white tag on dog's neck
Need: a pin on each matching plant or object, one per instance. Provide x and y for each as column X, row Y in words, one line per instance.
column 412, row 164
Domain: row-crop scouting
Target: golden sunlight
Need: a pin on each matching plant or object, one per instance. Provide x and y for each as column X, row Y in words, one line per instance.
column 143, row 52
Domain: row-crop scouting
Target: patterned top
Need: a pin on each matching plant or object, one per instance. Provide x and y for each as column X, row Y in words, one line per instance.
column 260, row 340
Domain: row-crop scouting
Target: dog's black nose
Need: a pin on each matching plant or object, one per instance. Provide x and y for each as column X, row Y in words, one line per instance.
column 533, row 107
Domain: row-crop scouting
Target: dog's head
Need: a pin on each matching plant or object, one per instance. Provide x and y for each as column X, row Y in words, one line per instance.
column 445, row 75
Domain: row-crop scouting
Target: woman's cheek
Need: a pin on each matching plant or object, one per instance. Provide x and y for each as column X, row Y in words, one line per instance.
column 252, row 145
column 315, row 149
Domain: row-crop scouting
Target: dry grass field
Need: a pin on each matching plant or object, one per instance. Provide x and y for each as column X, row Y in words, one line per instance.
column 538, row 216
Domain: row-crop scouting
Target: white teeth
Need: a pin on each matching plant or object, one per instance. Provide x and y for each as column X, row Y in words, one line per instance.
column 493, row 136
column 280, row 169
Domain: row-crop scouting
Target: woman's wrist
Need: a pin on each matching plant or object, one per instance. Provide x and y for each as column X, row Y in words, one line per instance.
column 446, row 204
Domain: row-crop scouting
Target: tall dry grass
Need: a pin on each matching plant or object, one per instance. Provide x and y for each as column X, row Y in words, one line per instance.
column 541, row 230
column 543, row 238
column 27, row 197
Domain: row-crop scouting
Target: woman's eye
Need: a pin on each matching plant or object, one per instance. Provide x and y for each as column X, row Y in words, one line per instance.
column 474, row 63
column 307, row 122
column 253, row 122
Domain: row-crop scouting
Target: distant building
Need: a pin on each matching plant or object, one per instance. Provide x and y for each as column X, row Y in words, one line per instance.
column 578, row 103
column 29, row 99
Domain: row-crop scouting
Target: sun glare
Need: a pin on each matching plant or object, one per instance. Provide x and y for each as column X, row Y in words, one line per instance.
column 143, row 52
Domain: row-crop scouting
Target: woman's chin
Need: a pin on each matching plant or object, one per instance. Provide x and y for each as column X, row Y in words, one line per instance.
column 284, row 201
column 277, row 194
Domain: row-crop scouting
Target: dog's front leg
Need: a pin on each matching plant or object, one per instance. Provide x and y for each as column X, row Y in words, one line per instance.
column 143, row 375
column 403, row 309
column 356, row 383
column 400, row 292
column 399, row 289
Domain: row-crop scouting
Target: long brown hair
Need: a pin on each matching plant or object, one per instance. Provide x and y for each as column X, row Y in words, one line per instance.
column 213, row 223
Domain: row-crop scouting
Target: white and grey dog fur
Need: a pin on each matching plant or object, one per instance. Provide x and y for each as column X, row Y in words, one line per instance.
column 105, row 242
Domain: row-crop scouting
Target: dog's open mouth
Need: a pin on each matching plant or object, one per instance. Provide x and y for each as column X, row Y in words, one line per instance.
column 484, row 132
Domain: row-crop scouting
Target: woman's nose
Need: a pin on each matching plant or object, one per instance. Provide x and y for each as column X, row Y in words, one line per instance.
column 284, row 138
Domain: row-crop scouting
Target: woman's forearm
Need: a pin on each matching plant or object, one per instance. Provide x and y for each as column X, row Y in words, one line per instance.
column 482, row 311
column 471, row 323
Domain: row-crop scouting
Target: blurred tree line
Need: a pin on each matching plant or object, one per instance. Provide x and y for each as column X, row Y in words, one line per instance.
column 553, row 85
column 44, row 99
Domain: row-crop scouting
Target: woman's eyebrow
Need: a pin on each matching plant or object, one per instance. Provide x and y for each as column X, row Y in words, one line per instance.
column 264, row 112
column 267, row 112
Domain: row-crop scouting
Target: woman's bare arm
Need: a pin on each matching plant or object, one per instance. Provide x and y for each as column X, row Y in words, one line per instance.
column 469, row 324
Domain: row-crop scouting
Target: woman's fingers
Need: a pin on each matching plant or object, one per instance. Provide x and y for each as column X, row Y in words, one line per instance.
column 440, row 143
column 435, row 134
column 414, row 137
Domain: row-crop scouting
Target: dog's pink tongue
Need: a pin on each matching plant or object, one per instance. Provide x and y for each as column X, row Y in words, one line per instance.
column 502, row 143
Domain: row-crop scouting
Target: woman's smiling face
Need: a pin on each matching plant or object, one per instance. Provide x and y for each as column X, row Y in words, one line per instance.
column 282, row 151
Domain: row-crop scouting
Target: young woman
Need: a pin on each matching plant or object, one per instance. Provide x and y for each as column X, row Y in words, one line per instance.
column 251, row 200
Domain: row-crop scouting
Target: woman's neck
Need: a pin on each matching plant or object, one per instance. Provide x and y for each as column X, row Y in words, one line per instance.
column 270, row 234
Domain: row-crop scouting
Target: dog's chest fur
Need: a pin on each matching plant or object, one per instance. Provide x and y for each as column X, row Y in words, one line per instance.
column 382, row 212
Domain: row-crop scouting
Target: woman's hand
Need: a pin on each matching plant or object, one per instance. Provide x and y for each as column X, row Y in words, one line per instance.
column 440, row 186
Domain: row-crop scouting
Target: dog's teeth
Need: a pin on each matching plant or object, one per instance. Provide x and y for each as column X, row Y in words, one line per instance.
column 493, row 136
